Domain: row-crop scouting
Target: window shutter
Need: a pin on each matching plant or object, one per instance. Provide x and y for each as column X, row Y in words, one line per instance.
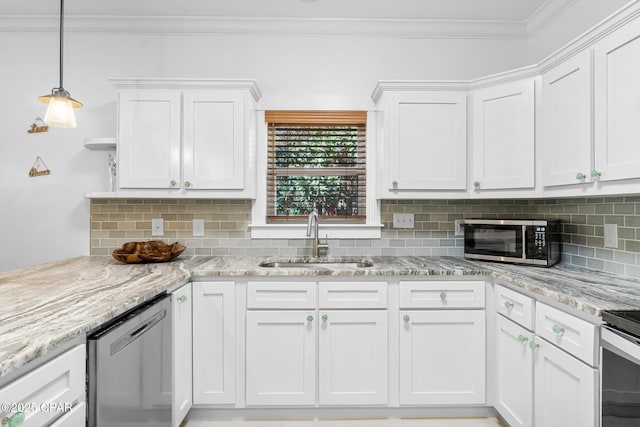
column 316, row 159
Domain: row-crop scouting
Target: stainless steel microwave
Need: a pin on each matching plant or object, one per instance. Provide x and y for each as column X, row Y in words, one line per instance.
column 534, row 242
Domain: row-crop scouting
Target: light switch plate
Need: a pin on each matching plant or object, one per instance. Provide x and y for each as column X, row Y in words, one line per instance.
column 405, row 220
column 611, row 235
column 198, row 228
column 157, row 227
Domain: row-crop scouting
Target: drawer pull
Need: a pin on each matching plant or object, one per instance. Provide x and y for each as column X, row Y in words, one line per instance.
column 557, row 330
column 325, row 317
column 309, row 318
column 443, row 296
column 406, row 318
column 522, row 339
column 14, row 420
column 534, row 345
column 508, row 305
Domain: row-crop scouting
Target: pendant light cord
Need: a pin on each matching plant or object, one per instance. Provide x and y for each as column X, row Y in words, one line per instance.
column 61, row 38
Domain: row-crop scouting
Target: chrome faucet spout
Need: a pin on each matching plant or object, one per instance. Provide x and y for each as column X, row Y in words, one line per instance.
column 312, row 226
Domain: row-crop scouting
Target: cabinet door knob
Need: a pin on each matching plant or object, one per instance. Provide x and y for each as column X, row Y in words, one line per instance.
column 443, row 296
column 182, row 298
column 406, row 318
column 325, row 317
column 580, row 176
column 534, row 345
column 476, row 184
column 187, row 184
column 14, row 420
column 522, row 339
column 394, row 185
column 173, row 183
column 309, row 318
column 557, row 330
column 595, row 174
column 508, row 305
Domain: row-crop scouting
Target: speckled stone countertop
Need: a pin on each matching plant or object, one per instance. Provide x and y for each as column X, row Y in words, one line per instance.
column 54, row 303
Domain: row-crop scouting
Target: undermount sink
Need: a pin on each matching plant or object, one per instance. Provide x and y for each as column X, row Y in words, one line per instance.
column 318, row 263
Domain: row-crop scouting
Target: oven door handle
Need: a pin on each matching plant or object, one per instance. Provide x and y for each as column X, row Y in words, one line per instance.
column 624, row 345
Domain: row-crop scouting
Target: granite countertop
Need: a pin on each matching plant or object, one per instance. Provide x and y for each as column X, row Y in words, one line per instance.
column 51, row 304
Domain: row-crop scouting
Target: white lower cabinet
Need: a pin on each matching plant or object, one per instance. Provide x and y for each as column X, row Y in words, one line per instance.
column 42, row 395
column 214, row 343
column 353, row 357
column 538, row 383
column 281, row 357
column 182, row 349
column 442, row 357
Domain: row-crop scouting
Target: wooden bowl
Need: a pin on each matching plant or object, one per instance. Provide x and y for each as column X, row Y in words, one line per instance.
column 151, row 251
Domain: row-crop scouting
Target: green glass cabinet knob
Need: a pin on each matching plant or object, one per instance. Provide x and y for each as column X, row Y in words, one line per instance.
column 406, row 318
column 443, row 295
column 187, row 184
column 557, row 330
column 476, row 184
column 595, row 174
column 173, row 183
column 325, row 317
column 522, row 339
column 182, row 298
column 394, row 185
column 534, row 345
column 14, row 420
column 309, row 318
column 580, row 176
column 508, row 305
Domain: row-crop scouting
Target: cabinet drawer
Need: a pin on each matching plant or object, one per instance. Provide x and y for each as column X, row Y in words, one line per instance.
column 353, row 294
column 76, row 417
column 571, row 334
column 515, row 306
column 281, row 295
column 56, row 383
column 441, row 294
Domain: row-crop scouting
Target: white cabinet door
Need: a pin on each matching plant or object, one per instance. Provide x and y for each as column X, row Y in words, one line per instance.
column 504, row 136
column 426, row 140
column 565, row 389
column 514, row 373
column 617, row 104
column 353, row 357
column 182, row 347
column 149, row 139
column 214, row 140
column 442, row 357
column 281, row 357
column 214, row 355
column 567, row 136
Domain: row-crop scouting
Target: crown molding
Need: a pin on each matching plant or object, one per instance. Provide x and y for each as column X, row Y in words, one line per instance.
column 170, row 83
column 401, row 28
column 545, row 14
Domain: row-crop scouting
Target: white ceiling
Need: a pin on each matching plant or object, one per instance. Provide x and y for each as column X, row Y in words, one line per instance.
column 482, row 10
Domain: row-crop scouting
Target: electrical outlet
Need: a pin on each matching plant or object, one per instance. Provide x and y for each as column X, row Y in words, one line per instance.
column 403, row 220
column 611, row 235
column 459, row 227
column 157, row 227
column 198, row 228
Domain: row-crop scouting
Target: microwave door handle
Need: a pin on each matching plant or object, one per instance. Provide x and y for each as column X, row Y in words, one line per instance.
column 524, row 242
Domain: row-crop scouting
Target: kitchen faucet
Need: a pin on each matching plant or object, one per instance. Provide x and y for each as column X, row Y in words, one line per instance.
column 312, row 223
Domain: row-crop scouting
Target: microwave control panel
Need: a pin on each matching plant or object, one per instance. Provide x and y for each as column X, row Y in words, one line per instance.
column 537, row 241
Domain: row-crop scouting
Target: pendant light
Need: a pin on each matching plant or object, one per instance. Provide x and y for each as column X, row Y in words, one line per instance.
column 61, row 104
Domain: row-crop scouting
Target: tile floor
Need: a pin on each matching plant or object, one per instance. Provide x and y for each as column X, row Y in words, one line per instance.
column 388, row 422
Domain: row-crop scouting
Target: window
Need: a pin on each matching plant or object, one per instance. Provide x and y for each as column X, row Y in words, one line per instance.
column 316, row 159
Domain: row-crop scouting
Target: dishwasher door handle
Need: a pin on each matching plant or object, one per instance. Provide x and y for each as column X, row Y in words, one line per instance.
column 137, row 331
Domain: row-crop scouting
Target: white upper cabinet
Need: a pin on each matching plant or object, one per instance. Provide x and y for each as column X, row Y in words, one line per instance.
column 194, row 137
column 503, row 136
column 149, row 138
column 566, row 143
column 617, row 103
column 424, row 146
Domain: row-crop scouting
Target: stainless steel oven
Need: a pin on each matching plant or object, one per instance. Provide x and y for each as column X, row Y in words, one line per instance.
column 620, row 340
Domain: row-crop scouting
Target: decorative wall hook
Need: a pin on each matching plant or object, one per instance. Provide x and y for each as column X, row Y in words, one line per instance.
column 39, row 168
column 38, row 126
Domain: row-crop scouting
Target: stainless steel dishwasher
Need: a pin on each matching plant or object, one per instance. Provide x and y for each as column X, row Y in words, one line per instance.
column 129, row 368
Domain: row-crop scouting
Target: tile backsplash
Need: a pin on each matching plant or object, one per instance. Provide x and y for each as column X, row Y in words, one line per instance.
column 116, row 221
